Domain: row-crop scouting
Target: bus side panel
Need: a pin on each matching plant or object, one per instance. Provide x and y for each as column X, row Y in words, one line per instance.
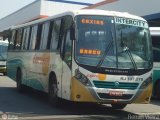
column 12, row 65
column 66, row 82
column 38, row 66
column 56, row 67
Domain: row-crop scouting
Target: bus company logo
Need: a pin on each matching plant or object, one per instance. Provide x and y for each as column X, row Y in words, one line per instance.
column 99, row 76
column 92, row 76
column 40, row 59
column 43, row 60
column 116, row 84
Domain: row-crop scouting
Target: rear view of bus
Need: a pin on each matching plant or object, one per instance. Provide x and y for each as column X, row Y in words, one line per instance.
column 113, row 56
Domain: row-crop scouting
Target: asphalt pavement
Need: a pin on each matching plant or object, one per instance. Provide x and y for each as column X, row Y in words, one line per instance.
column 34, row 105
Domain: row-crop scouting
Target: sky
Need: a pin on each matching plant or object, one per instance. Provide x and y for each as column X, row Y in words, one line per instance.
column 9, row 6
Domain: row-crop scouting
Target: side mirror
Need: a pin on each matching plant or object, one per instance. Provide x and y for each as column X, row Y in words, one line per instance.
column 72, row 32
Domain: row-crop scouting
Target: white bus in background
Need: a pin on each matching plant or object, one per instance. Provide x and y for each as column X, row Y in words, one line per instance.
column 3, row 55
column 155, row 35
column 84, row 56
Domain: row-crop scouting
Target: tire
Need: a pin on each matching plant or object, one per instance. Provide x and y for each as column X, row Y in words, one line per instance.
column 157, row 90
column 4, row 74
column 53, row 98
column 118, row 106
column 20, row 87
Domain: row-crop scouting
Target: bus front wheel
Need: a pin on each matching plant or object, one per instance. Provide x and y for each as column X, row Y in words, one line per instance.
column 53, row 98
column 118, row 106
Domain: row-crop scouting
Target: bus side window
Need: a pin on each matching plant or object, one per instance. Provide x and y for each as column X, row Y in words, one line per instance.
column 44, row 36
column 33, row 37
column 29, row 37
column 11, row 42
column 50, row 34
column 38, row 37
column 18, row 39
column 68, row 49
column 24, row 39
column 55, row 34
column 65, row 42
column 61, row 35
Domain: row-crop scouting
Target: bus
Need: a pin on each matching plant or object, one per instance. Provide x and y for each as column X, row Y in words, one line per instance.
column 95, row 56
column 3, row 55
column 155, row 35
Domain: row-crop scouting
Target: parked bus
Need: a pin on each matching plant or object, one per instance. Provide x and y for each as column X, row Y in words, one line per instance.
column 84, row 56
column 155, row 35
column 3, row 55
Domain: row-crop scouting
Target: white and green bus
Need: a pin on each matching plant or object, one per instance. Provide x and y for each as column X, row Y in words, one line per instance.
column 84, row 56
column 3, row 55
column 155, row 35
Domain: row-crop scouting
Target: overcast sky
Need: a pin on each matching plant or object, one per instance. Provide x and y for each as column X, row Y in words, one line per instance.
column 9, row 6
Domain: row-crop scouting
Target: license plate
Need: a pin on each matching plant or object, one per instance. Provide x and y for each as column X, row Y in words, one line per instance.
column 115, row 93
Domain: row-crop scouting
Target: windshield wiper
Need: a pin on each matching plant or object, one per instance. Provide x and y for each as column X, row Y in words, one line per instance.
column 105, row 52
column 127, row 50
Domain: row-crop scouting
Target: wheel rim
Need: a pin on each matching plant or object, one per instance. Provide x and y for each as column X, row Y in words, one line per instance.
column 18, row 79
column 53, row 89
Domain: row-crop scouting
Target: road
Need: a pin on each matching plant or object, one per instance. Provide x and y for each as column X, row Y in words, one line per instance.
column 33, row 105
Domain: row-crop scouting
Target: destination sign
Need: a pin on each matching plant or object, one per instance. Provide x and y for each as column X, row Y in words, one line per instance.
column 132, row 22
column 90, row 52
column 92, row 21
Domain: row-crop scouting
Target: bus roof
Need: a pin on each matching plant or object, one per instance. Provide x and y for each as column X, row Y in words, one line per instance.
column 83, row 12
column 155, row 31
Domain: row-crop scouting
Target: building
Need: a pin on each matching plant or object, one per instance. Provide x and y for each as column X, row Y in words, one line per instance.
column 148, row 9
column 39, row 9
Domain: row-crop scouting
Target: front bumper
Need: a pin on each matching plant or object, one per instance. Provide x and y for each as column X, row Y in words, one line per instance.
column 82, row 93
column 3, row 70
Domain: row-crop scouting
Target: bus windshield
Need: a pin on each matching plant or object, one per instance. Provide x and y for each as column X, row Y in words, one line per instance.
column 113, row 42
column 3, row 50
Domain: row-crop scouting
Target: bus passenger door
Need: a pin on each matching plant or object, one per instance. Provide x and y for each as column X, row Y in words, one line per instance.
column 66, row 54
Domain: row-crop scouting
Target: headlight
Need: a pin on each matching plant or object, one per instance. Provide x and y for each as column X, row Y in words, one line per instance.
column 146, row 83
column 82, row 78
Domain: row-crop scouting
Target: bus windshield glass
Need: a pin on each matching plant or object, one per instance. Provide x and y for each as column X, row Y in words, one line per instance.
column 113, row 42
column 3, row 50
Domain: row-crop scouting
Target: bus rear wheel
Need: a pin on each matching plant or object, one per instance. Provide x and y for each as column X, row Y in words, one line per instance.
column 20, row 87
column 53, row 98
column 118, row 106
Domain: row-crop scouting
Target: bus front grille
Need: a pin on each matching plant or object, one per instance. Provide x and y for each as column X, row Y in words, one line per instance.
column 115, row 85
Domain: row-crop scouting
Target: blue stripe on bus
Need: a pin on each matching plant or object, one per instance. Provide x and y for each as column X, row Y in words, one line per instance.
column 71, row 2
